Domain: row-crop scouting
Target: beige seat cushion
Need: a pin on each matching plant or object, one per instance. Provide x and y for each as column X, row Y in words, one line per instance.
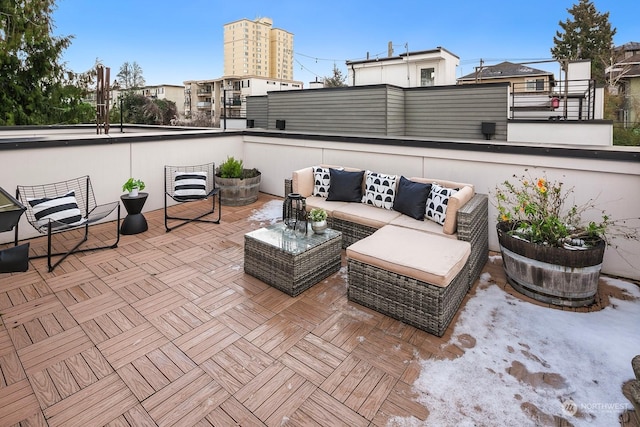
column 422, row 256
column 365, row 214
column 424, row 226
column 323, row 203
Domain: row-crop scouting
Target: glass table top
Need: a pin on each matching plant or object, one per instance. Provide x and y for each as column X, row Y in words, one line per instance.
column 290, row 241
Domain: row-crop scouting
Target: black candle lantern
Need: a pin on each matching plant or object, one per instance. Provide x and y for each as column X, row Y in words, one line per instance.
column 294, row 212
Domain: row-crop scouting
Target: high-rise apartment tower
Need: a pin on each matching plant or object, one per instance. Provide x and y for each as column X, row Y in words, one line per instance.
column 255, row 48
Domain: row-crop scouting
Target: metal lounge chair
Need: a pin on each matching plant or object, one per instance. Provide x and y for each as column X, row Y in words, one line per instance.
column 185, row 184
column 64, row 206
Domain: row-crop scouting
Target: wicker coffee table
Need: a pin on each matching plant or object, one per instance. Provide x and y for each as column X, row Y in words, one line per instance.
column 288, row 261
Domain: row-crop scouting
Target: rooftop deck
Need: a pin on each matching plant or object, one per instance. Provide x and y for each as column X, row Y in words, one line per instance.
column 167, row 329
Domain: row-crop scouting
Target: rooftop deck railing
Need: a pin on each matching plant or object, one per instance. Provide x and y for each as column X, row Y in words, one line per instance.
column 570, row 100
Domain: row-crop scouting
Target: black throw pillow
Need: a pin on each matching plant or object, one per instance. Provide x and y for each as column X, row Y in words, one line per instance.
column 411, row 198
column 345, row 186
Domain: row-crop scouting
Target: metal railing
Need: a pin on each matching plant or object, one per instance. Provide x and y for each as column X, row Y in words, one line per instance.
column 564, row 100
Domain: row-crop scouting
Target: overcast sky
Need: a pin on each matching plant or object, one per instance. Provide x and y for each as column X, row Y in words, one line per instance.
column 178, row 41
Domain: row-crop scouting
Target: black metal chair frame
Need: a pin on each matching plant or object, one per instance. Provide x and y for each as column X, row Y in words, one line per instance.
column 90, row 211
column 211, row 191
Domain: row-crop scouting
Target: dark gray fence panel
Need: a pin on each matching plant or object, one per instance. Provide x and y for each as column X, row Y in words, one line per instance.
column 258, row 110
column 456, row 111
column 332, row 110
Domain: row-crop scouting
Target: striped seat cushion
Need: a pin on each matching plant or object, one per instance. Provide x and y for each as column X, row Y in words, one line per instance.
column 63, row 209
column 190, row 185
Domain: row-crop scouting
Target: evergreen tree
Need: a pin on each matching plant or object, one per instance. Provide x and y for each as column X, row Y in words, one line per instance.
column 337, row 80
column 587, row 36
column 31, row 75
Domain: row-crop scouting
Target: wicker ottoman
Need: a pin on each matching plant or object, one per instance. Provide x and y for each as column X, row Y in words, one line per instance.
column 413, row 276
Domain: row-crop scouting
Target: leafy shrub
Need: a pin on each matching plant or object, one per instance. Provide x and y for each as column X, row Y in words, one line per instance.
column 231, row 168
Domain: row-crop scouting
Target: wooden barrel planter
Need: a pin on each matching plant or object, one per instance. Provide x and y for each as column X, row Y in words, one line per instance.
column 548, row 274
column 238, row 191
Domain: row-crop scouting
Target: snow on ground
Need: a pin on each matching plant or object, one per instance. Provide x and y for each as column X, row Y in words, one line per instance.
column 530, row 363
column 269, row 213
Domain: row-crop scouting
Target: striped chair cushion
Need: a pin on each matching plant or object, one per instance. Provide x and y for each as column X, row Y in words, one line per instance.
column 63, row 209
column 190, row 185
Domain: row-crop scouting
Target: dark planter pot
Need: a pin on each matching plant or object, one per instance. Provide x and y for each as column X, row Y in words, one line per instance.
column 238, row 191
column 548, row 274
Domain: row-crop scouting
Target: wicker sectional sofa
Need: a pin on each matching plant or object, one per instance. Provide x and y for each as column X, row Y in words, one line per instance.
column 413, row 268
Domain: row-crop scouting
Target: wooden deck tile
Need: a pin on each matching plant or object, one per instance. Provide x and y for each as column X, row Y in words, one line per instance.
column 45, row 353
column 97, row 404
column 11, row 370
column 185, row 401
column 327, row 411
column 233, row 413
column 96, row 306
column 160, row 303
column 69, row 280
column 220, row 300
column 206, row 340
column 237, row 365
column 30, row 310
column 130, row 345
column 17, row 403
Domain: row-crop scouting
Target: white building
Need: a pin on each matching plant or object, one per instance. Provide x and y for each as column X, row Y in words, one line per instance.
column 436, row 67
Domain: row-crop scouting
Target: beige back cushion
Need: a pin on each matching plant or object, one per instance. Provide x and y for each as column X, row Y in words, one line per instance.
column 302, row 181
column 456, row 202
column 465, row 194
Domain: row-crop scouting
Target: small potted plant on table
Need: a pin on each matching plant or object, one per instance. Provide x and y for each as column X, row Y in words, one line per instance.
column 318, row 219
column 132, row 186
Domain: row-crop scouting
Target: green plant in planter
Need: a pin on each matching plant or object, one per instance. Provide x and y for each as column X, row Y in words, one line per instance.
column 317, row 215
column 233, row 168
column 133, row 183
column 535, row 209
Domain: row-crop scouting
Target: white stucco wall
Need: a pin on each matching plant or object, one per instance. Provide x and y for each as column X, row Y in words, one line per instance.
column 588, row 133
column 607, row 182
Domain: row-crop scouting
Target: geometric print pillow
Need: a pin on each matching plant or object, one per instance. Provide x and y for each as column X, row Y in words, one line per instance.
column 380, row 190
column 321, row 181
column 190, row 185
column 63, row 209
column 437, row 202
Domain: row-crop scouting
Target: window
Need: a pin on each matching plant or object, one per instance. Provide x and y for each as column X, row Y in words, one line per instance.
column 535, row 85
column 427, row 76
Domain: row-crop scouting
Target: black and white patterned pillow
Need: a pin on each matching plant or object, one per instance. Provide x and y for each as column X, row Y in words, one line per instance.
column 190, row 185
column 321, row 181
column 380, row 190
column 437, row 202
column 62, row 209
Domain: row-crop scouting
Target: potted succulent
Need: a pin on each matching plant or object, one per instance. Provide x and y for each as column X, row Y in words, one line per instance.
column 238, row 186
column 549, row 253
column 133, row 185
column 318, row 219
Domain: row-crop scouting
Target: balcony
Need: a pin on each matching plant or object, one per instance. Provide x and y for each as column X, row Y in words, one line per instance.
column 168, row 329
column 204, row 104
